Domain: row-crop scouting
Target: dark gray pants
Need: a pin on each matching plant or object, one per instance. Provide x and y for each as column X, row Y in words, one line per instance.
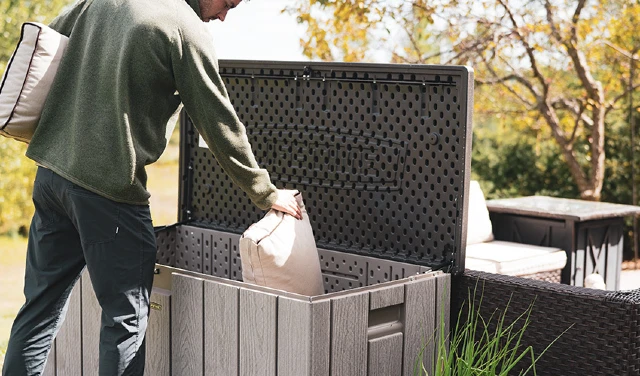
column 73, row 227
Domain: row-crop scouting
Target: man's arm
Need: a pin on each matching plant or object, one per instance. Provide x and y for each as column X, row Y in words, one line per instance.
column 206, row 100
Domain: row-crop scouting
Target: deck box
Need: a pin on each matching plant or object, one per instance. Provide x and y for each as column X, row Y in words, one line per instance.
column 382, row 156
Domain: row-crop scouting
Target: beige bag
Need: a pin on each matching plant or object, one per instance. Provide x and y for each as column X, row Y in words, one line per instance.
column 279, row 251
column 27, row 79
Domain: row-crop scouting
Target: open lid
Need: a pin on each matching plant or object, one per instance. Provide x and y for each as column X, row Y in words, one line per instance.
column 380, row 152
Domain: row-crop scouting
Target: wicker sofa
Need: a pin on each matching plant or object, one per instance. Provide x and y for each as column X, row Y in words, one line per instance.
column 603, row 328
column 483, row 253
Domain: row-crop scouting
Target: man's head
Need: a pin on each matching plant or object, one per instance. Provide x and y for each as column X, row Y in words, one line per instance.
column 216, row 9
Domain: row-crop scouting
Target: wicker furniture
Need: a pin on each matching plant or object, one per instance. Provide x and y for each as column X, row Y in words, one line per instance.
column 590, row 232
column 516, row 259
column 485, row 254
column 603, row 328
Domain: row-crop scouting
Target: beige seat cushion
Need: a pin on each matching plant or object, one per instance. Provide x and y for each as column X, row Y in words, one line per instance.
column 479, row 227
column 280, row 252
column 28, row 78
column 487, row 266
column 515, row 258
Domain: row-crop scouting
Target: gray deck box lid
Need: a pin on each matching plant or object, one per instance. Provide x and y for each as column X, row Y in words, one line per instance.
column 380, row 152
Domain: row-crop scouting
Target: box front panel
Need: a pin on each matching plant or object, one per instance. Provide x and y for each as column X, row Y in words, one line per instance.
column 69, row 339
column 199, row 326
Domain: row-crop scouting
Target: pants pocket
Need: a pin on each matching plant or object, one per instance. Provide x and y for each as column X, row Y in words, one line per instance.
column 45, row 214
column 96, row 217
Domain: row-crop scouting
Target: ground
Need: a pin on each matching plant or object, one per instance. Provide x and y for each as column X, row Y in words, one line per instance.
column 12, row 252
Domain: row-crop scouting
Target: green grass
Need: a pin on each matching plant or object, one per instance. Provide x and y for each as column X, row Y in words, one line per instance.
column 12, row 260
column 163, row 185
column 473, row 349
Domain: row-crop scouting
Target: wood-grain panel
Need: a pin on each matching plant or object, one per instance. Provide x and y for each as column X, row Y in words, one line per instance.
column 158, row 336
column 187, row 329
column 221, row 329
column 303, row 337
column 443, row 307
column 386, row 297
column 419, row 325
column 91, row 322
column 258, row 328
column 385, row 356
column 349, row 322
column 69, row 338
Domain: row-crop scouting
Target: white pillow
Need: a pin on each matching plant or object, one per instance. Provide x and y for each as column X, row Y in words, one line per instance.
column 479, row 227
column 28, row 78
column 279, row 251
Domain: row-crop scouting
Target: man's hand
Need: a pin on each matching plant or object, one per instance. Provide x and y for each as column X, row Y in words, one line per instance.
column 287, row 203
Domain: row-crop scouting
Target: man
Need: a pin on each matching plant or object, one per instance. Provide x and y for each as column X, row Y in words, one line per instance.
column 128, row 66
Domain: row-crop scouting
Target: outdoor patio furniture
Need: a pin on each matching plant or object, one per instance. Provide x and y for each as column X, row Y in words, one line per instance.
column 590, row 232
column 484, row 253
column 602, row 327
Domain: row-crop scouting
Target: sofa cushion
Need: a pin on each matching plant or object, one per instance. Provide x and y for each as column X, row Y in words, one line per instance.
column 279, row 251
column 479, row 227
column 487, row 266
column 515, row 258
column 28, row 78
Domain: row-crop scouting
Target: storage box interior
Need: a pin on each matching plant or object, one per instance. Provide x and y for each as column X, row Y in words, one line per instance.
column 216, row 253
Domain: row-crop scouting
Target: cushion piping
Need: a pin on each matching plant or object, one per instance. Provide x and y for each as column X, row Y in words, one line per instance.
column 28, row 69
column 7, row 75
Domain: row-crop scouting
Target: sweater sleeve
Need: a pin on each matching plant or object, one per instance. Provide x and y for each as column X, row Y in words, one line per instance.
column 205, row 99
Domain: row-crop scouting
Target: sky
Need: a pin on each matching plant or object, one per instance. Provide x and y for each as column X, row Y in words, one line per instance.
column 255, row 30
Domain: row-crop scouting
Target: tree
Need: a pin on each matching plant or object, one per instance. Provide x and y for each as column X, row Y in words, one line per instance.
column 16, row 171
column 563, row 64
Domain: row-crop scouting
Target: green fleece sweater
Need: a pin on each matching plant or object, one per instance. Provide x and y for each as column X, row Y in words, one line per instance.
column 128, row 66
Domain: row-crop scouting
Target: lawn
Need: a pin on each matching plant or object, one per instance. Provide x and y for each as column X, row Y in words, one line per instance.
column 12, row 252
column 163, row 185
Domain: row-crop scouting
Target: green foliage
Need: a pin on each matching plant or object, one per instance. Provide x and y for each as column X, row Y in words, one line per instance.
column 511, row 166
column 15, row 12
column 16, row 171
column 617, row 186
column 16, row 184
column 480, row 346
column 350, row 30
column 512, row 153
column 558, row 68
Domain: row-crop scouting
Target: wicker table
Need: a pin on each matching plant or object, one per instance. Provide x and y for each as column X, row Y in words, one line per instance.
column 590, row 232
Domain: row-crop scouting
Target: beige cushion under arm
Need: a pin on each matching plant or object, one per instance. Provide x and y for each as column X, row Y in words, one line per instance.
column 28, row 78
